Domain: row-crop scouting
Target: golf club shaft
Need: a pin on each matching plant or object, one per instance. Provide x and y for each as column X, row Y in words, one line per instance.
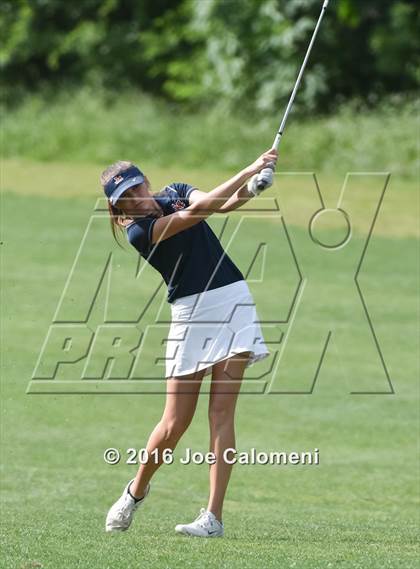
column 279, row 134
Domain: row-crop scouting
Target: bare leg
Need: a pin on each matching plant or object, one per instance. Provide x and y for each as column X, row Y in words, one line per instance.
column 181, row 402
column 226, row 384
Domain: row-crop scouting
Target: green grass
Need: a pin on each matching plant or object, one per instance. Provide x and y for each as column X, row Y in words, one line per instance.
column 357, row 509
column 87, row 126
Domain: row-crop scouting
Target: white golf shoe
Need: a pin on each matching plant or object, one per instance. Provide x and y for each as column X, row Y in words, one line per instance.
column 205, row 525
column 121, row 514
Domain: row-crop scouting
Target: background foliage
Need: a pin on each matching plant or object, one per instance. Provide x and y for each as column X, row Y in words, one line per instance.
column 196, row 52
column 85, row 127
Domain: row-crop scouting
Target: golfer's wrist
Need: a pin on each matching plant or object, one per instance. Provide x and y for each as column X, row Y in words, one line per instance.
column 249, row 171
column 244, row 194
column 249, row 194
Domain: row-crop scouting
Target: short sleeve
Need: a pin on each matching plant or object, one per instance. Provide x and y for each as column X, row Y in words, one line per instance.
column 139, row 234
column 183, row 190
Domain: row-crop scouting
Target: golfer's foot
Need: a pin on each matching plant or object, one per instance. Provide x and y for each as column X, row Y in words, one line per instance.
column 205, row 525
column 121, row 513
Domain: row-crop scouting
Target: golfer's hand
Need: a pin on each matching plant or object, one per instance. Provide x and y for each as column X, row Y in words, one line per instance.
column 263, row 161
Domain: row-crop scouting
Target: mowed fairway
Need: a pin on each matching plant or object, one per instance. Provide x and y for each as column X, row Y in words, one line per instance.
column 357, row 509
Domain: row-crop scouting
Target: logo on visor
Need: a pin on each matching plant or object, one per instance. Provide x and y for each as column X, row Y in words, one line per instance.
column 117, row 179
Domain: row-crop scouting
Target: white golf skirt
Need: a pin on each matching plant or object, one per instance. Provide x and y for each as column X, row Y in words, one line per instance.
column 213, row 325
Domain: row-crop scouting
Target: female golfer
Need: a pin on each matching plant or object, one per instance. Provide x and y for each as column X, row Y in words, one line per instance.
column 214, row 326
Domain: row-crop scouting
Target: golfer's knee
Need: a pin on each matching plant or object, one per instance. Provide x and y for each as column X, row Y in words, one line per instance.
column 220, row 415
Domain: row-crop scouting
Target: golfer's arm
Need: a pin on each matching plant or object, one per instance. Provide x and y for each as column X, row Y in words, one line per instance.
column 217, row 199
column 239, row 198
column 208, row 203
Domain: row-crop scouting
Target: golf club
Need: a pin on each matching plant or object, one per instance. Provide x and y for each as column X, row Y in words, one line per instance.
column 265, row 177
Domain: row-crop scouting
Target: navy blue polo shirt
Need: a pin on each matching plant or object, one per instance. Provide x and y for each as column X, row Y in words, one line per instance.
column 190, row 261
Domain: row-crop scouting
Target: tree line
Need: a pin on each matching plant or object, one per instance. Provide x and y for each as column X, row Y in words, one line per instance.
column 241, row 53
